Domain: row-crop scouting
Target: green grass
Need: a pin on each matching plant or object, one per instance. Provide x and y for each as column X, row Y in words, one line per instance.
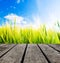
column 9, row 35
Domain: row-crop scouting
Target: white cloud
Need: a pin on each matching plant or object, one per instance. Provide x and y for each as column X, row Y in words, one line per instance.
column 25, row 21
column 35, row 22
column 13, row 17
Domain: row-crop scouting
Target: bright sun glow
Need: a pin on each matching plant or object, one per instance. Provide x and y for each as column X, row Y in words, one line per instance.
column 36, row 21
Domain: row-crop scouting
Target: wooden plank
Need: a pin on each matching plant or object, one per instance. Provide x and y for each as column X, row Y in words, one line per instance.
column 5, row 48
column 2, row 44
column 2, row 47
column 51, row 54
column 14, row 55
column 34, row 55
column 56, row 47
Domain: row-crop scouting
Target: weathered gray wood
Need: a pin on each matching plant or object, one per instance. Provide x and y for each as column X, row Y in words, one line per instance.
column 2, row 44
column 51, row 54
column 14, row 55
column 56, row 47
column 34, row 55
column 4, row 48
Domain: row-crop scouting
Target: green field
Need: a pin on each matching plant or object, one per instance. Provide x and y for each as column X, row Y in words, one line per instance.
column 9, row 35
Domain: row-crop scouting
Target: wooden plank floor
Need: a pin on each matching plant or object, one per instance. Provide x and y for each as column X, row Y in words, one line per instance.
column 29, row 53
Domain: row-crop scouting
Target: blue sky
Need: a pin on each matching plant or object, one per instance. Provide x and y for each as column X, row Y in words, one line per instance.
column 30, row 12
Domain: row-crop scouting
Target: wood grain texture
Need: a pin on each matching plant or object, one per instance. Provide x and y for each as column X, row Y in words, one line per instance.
column 4, row 48
column 56, row 47
column 34, row 55
column 51, row 54
column 14, row 55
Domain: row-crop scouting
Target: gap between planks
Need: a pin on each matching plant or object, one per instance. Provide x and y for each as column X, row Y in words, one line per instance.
column 34, row 55
column 51, row 54
column 31, row 53
column 55, row 47
column 15, row 55
column 9, row 47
